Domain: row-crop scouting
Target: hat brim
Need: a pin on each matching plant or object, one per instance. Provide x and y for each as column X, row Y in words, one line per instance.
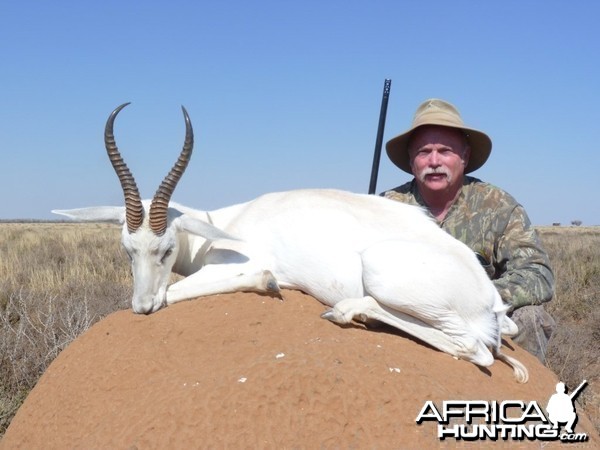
column 479, row 143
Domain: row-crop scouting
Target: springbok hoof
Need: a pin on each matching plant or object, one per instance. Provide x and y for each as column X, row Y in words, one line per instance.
column 272, row 286
column 270, row 283
column 329, row 315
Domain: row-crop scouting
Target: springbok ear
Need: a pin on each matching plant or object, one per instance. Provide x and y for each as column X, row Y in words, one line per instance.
column 203, row 229
column 109, row 214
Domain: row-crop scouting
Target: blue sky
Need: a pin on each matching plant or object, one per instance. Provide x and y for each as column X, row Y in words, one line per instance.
column 286, row 95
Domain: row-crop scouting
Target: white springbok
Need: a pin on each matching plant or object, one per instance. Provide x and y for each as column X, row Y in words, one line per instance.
column 367, row 257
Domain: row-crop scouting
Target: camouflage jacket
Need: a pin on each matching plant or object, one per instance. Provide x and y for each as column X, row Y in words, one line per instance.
column 497, row 228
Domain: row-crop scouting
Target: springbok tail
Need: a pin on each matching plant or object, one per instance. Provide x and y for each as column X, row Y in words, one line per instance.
column 519, row 369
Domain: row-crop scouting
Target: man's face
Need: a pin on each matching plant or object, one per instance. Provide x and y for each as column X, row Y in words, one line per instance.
column 438, row 157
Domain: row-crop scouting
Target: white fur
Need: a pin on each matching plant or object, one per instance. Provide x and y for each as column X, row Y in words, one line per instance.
column 365, row 256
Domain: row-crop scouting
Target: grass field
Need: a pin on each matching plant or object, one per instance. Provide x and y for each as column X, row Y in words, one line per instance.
column 56, row 280
column 574, row 349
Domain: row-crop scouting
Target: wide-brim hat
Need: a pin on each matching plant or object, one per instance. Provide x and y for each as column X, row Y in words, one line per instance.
column 442, row 113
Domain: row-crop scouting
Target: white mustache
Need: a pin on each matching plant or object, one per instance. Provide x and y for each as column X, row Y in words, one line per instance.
column 431, row 171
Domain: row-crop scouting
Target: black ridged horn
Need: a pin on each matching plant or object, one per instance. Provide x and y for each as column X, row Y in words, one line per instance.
column 160, row 202
column 134, row 211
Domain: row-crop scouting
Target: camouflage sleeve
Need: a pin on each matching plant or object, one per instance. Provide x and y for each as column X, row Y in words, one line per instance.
column 526, row 277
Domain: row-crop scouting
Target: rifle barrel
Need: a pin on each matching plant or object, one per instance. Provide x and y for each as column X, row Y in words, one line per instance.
column 577, row 389
column 377, row 153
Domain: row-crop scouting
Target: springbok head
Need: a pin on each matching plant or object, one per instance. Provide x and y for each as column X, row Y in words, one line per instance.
column 150, row 228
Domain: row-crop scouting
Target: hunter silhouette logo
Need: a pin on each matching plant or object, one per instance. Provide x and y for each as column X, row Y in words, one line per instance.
column 561, row 408
column 517, row 420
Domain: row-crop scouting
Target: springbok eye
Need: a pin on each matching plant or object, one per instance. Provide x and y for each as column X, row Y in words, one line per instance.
column 166, row 255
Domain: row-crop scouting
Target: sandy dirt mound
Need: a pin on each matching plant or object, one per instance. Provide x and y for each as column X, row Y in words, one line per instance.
column 250, row 371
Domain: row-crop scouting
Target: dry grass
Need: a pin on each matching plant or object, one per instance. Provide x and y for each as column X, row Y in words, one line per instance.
column 56, row 280
column 574, row 350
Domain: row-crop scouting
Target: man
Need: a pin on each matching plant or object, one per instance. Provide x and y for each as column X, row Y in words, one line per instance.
column 439, row 150
column 561, row 408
